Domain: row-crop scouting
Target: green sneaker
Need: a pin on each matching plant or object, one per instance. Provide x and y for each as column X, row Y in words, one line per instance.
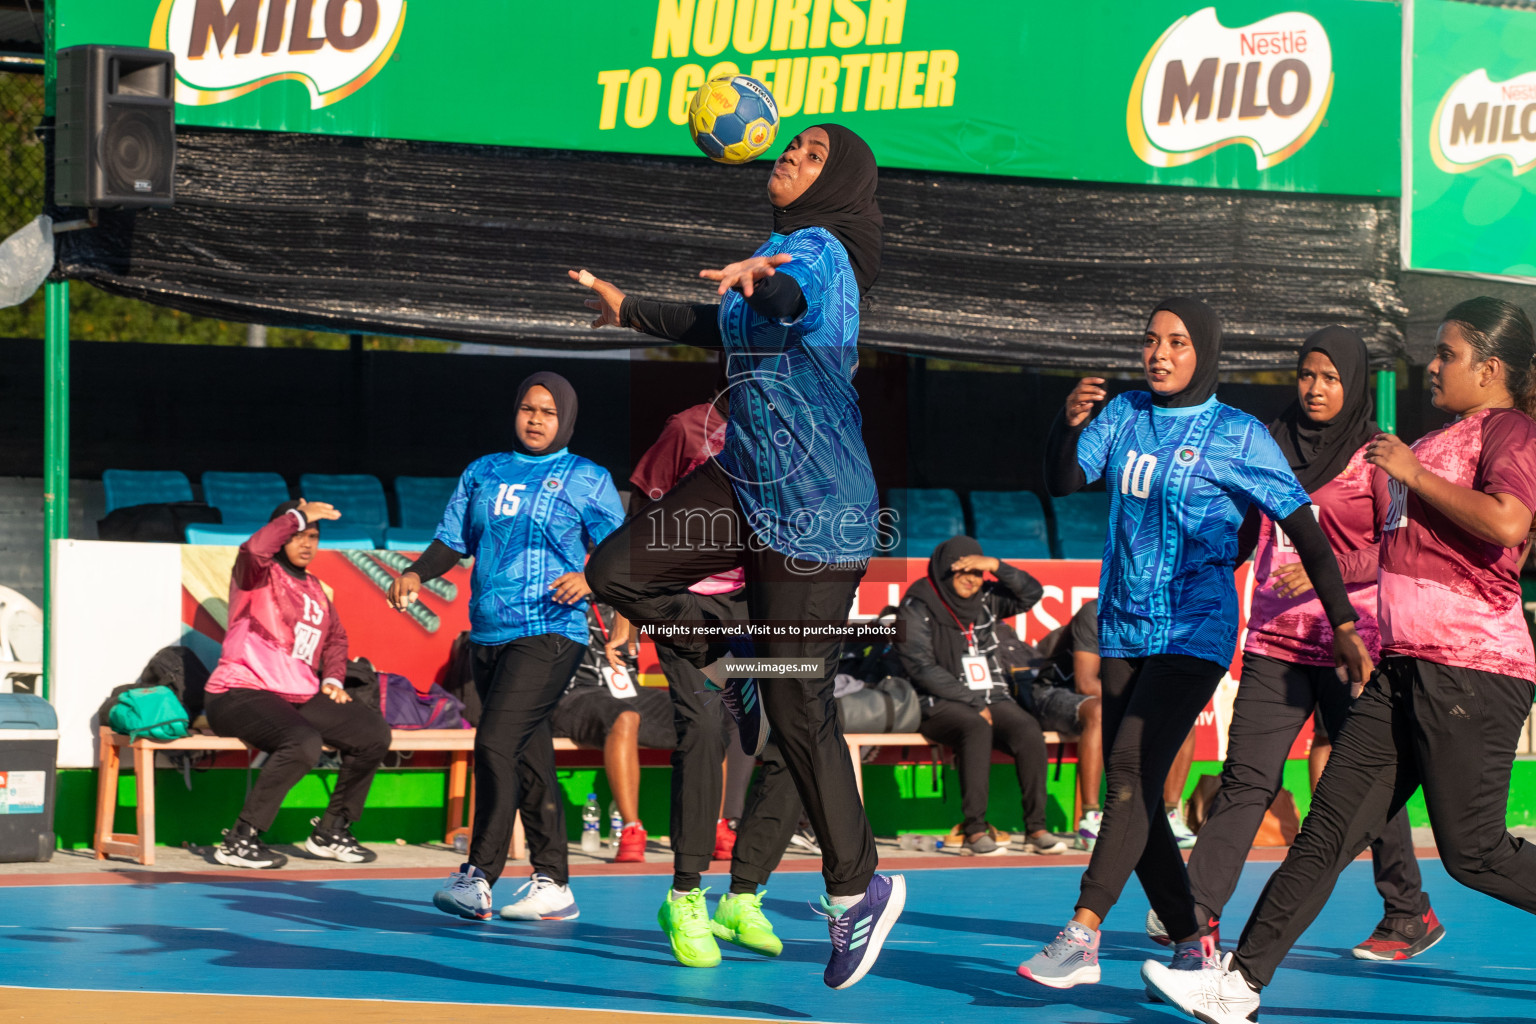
column 739, row 919
column 685, row 922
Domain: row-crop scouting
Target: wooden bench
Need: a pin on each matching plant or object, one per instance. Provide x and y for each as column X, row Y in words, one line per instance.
column 458, row 742
column 141, row 845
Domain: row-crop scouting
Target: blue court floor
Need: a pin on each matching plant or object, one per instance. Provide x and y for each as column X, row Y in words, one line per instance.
column 951, row 958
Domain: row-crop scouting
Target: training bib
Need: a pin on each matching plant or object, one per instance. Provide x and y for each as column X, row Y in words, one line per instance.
column 978, row 674
column 619, row 683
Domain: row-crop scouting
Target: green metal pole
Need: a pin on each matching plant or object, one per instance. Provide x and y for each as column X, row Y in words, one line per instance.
column 55, row 448
column 55, row 398
column 1386, row 400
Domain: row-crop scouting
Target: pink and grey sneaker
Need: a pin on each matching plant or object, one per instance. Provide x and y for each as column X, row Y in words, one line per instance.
column 1071, row 958
column 1401, row 938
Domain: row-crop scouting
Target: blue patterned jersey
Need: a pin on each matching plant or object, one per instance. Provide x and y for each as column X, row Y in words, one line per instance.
column 1180, row 482
column 527, row 521
column 794, row 443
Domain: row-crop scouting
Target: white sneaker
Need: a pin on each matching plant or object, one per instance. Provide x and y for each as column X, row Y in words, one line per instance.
column 465, row 894
column 1155, row 930
column 544, row 901
column 1215, row 996
column 1181, row 831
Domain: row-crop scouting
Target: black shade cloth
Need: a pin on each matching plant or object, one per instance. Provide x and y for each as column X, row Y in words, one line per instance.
column 842, row 200
column 1318, row 452
column 472, row 244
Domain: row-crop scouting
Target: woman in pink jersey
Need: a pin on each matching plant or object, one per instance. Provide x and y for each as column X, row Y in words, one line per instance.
column 278, row 687
column 1457, row 673
column 1288, row 656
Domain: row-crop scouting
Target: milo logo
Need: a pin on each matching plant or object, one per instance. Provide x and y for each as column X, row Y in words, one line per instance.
column 227, row 48
column 1480, row 120
column 1203, row 86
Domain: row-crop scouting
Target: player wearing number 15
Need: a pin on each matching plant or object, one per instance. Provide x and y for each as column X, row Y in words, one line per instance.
column 527, row 517
column 278, row 687
column 1182, row 471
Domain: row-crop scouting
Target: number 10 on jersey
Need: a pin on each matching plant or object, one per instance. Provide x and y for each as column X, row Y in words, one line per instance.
column 1136, row 477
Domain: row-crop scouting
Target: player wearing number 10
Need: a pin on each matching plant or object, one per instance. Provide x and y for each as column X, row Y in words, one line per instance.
column 1182, row 471
column 527, row 516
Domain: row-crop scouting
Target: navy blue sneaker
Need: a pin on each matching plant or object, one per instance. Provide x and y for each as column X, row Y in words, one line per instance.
column 859, row 931
column 740, row 698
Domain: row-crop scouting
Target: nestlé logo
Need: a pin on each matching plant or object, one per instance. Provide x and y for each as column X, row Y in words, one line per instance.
column 1203, row 86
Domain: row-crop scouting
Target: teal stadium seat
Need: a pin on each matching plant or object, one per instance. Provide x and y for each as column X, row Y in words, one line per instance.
column 925, row 518
column 1082, row 524
column 1010, row 524
column 127, row 487
column 222, row 534
column 421, row 500
column 360, row 499
column 244, row 497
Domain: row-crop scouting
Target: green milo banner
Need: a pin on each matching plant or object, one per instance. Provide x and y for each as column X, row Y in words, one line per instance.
column 1473, row 146
column 1251, row 94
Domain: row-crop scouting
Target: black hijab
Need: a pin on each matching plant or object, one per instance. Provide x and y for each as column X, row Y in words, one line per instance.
column 282, row 553
column 1318, row 452
column 1204, row 328
column 937, row 592
column 842, row 200
column 565, row 408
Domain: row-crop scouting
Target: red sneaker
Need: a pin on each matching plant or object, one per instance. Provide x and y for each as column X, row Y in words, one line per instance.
column 1401, row 938
column 725, row 840
column 631, row 845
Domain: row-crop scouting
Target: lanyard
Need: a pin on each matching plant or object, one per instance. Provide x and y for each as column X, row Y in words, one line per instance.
column 969, row 632
column 600, row 624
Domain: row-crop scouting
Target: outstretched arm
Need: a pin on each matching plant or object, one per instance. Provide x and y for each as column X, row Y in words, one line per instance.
column 695, row 324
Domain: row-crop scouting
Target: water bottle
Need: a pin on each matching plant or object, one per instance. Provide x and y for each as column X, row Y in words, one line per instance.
column 615, row 823
column 591, row 819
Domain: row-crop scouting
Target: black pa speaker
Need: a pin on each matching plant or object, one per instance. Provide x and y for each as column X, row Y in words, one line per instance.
column 114, row 127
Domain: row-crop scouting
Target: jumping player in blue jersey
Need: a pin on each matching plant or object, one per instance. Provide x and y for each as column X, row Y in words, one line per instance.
column 791, row 497
column 527, row 517
column 1182, row 470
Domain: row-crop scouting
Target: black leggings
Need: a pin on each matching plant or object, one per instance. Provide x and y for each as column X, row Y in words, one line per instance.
column 1150, row 704
column 697, row 530
column 1013, row 731
column 1274, row 701
column 292, row 735
column 519, row 683
column 1453, row 730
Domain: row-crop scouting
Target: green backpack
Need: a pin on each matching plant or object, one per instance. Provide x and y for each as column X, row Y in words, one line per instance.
column 149, row 711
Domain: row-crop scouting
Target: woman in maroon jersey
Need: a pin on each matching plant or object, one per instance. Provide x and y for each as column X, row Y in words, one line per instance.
column 1288, row 655
column 1458, row 671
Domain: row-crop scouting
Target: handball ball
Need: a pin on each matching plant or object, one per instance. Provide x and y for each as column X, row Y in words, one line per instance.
column 733, row 119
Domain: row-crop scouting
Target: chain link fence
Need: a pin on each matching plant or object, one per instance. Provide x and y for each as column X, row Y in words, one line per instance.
column 21, row 149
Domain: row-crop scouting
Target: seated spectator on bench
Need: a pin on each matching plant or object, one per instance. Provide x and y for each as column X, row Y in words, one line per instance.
column 620, row 718
column 1059, row 685
column 950, row 655
column 278, row 688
